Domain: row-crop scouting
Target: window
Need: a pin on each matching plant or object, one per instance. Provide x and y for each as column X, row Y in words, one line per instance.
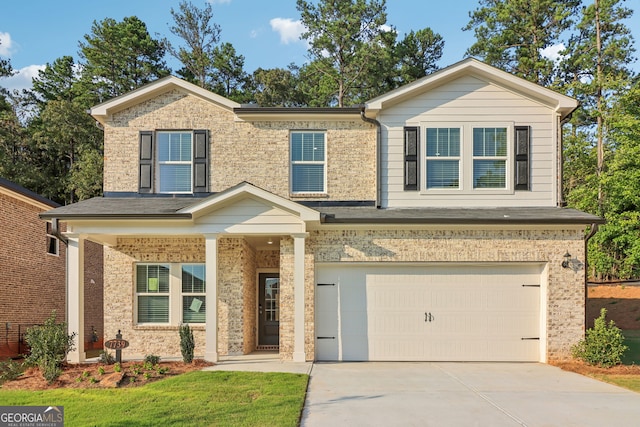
column 170, row 293
column 193, row 294
column 174, row 162
column 443, row 158
column 53, row 244
column 489, row 157
column 308, row 162
column 152, row 289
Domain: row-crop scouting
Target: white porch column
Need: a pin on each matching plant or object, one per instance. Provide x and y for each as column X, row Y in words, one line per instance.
column 211, row 334
column 298, row 297
column 75, row 296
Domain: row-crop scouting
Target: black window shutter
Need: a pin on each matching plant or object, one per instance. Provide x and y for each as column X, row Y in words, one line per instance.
column 411, row 150
column 145, row 178
column 200, row 161
column 522, row 157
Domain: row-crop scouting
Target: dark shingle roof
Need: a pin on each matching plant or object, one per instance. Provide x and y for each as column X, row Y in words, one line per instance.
column 165, row 207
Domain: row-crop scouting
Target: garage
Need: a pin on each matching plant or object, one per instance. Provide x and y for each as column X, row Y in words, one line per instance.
column 445, row 312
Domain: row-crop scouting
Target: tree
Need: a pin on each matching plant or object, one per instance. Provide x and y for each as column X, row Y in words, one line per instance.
column 228, row 77
column 512, row 34
column 5, row 67
column 601, row 39
column 57, row 81
column 418, row 54
column 195, row 27
column 277, row 87
column 120, row 57
column 345, row 39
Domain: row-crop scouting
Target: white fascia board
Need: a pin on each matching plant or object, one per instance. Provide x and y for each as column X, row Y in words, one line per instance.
column 246, row 190
column 102, row 111
column 470, row 66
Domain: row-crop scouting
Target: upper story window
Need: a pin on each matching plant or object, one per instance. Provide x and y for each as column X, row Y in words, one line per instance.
column 308, row 164
column 466, row 159
column 443, row 158
column 489, row 157
column 174, row 162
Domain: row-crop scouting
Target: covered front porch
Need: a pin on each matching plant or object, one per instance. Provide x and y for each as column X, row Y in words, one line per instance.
column 252, row 246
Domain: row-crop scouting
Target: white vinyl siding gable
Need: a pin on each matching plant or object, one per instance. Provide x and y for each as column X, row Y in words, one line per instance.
column 469, row 103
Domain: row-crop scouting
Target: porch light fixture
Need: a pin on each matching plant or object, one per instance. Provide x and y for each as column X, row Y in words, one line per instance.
column 567, row 260
column 269, row 242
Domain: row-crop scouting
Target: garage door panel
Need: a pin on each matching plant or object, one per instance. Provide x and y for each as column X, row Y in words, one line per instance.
column 458, row 313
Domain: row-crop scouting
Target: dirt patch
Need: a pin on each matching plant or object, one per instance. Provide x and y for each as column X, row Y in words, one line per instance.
column 621, row 301
column 96, row 375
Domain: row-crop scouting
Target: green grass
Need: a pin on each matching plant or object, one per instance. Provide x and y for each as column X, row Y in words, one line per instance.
column 632, row 382
column 193, row 399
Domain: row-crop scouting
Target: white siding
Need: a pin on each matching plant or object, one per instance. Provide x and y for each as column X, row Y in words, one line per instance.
column 470, row 101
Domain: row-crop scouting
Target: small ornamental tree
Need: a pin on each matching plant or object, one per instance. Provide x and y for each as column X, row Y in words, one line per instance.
column 603, row 345
column 187, row 343
column 49, row 344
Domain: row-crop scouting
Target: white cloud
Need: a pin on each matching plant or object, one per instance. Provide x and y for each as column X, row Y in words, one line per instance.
column 218, row 1
column 22, row 78
column 6, row 44
column 288, row 29
column 553, row 52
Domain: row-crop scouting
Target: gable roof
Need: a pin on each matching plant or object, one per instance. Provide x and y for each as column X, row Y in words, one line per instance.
column 563, row 104
column 102, row 111
column 28, row 196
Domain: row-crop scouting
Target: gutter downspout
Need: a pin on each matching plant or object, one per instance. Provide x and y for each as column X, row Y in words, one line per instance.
column 378, row 143
column 55, row 231
column 594, row 229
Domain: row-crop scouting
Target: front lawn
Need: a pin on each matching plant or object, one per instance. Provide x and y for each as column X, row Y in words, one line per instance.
column 199, row 398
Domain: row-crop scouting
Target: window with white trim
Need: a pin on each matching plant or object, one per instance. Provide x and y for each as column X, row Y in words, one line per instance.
column 490, row 158
column 170, row 294
column 308, row 165
column 443, row 158
column 174, row 162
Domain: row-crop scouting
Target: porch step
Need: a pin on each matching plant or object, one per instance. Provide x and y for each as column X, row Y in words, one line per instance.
column 268, row 348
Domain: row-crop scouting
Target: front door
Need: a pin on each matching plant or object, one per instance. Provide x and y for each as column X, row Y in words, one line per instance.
column 269, row 309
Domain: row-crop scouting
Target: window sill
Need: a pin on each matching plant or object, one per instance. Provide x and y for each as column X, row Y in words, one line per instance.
column 308, row 195
column 195, row 327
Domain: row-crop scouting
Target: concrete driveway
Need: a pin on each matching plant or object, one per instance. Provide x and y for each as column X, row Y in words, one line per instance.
column 462, row 394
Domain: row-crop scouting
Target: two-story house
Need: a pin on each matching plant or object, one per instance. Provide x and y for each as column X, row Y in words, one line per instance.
column 425, row 225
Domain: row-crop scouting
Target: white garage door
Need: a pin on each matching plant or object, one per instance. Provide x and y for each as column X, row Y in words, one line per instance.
column 428, row 313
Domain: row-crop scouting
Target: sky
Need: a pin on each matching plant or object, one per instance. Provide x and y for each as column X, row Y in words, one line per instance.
column 266, row 32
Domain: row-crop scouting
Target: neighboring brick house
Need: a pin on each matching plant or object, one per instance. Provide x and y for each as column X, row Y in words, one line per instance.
column 32, row 266
column 425, row 225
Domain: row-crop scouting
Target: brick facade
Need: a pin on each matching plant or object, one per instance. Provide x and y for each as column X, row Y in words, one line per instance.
column 33, row 282
column 256, row 152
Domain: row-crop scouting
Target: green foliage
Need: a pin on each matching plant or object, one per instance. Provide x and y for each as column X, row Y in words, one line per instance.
column 117, row 367
column 49, row 346
column 10, row 370
column 512, row 34
column 603, row 345
column 107, row 358
column 187, row 343
column 151, row 359
column 101, row 370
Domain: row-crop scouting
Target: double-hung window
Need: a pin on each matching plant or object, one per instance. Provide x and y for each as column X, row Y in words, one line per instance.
column 308, row 165
column 443, row 158
column 174, row 162
column 193, row 293
column 489, row 158
column 152, row 293
column 170, row 294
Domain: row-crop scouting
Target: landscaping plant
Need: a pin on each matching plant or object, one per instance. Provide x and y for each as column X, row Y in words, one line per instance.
column 49, row 344
column 187, row 343
column 603, row 345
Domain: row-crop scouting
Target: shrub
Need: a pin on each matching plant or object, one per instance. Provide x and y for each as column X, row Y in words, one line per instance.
column 117, row 367
column 151, row 359
column 603, row 345
column 107, row 358
column 187, row 343
column 10, row 370
column 49, row 345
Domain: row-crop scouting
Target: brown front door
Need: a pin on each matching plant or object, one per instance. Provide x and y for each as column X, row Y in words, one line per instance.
column 269, row 309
